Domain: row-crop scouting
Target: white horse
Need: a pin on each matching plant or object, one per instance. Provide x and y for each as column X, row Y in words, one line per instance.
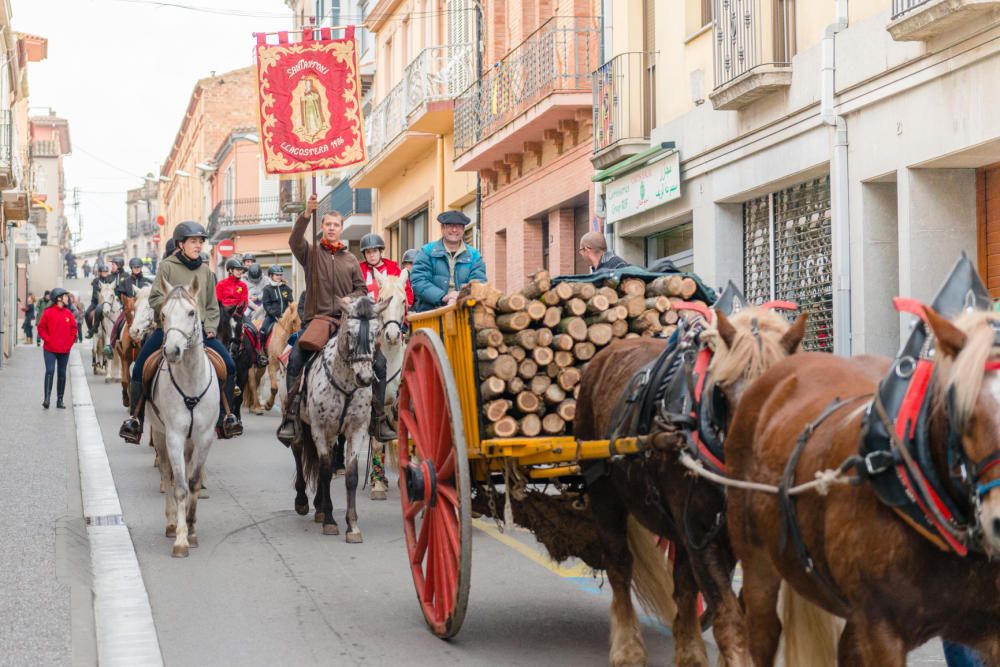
column 143, row 321
column 184, row 406
column 338, row 402
column 109, row 307
column 391, row 290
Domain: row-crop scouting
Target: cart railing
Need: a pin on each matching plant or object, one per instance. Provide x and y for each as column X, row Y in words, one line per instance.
column 453, row 324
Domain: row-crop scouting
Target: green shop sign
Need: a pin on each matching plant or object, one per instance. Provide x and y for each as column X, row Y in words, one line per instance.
column 656, row 183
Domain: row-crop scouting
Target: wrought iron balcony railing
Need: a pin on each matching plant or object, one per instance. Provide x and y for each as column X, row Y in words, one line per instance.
column 624, row 99
column 437, row 73
column 246, row 211
column 900, row 7
column 751, row 34
column 560, row 56
column 346, row 200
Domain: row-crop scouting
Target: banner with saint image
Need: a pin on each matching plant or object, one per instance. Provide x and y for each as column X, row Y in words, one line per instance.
column 310, row 102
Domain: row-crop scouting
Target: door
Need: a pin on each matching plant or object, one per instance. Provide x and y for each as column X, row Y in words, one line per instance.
column 988, row 209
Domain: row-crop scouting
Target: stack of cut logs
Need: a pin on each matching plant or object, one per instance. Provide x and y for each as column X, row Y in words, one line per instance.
column 532, row 345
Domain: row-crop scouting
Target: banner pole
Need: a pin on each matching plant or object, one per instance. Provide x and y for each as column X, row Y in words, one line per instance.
column 315, row 212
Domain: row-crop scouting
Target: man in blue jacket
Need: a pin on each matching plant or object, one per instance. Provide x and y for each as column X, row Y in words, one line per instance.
column 443, row 267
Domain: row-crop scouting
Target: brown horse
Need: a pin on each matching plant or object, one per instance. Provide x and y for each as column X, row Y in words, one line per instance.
column 657, row 490
column 895, row 588
column 274, row 371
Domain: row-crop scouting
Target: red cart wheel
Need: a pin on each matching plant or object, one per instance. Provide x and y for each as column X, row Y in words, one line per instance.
column 434, row 484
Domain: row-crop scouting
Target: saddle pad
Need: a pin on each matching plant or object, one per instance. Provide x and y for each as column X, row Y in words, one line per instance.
column 153, row 363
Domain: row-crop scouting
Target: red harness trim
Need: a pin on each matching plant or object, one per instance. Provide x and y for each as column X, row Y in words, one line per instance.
column 780, row 305
column 701, row 363
column 911, row 306
column 700, row 308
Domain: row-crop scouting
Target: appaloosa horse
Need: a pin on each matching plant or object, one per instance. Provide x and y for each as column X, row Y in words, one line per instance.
column 337, row 401
column 897, row 583
column 658, row 491
column 183, row 409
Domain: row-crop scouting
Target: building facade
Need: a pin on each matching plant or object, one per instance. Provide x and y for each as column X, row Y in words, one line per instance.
column 218, row 105
column 143, row 236
column 525, row 127
column 425, row 55
column 834, row 154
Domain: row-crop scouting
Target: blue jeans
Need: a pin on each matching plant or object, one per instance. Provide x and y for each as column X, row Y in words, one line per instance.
column 957, row 655
column 54, row 358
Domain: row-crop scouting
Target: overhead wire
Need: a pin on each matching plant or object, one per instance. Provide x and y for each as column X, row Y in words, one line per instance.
column 222, row 11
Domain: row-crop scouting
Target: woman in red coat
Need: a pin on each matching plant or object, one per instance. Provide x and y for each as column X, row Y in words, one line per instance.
column 57, row 329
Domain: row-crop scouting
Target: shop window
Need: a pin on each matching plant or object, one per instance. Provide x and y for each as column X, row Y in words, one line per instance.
column 395, row 251
column 413, row 230
column 676, row 244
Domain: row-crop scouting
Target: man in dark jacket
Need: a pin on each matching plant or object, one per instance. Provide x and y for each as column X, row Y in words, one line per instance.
column 332, row 273
column 135, row 279
column 444, row 266
column 594, row 248
column 92, row 315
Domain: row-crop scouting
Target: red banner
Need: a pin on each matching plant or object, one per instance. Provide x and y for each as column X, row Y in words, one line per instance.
column 310, row 103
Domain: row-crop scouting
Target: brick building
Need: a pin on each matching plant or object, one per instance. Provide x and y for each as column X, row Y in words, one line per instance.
column 526, row 127
column 218, row 105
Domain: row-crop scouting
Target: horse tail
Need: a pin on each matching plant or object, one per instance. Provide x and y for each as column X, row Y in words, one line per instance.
column 810, row 634
column 310, row 458
column 652, row 574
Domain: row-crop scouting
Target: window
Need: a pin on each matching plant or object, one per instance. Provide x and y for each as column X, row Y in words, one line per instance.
column 413, row 230
column 675, row 244
column 706, row 12
column 396, row 252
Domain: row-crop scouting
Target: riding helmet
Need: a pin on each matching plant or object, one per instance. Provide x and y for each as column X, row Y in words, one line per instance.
column 119, row 260
column 102, row 267
column 250, row 256
column 233, row 263
column 410, row 256
column 189, row 229
column 372, row 242
column 56, row 293
column 135, row 263
column 254, row 272
column 275, row 270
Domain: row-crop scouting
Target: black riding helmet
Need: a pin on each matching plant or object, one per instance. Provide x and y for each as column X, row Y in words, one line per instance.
column 254, row 272
column 249, row 256
column 188, row 229
column 275, row 270
column 135, row 263
column 372, row 242
column 233, row 263
column 410, row 256
column 119, row 260
column 56, row 293
column 102, row 267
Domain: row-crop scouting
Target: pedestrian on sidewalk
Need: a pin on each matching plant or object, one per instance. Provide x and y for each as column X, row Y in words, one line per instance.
column 40, row 307
column 28, row 325
column 58, row 329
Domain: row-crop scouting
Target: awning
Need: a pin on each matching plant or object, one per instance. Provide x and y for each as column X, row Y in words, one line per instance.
column 634, row 162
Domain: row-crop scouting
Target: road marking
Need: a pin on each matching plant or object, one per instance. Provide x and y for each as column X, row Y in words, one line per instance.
column 580, row 570
column 126, row 634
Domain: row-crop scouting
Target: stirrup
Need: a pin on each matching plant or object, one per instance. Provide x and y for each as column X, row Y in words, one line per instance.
column 288, row 431
column 382, row 431
column 131, row 431
column 231, row 426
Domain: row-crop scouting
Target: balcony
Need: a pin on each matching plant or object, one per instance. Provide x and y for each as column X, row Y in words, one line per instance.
column 7, row 171
column 540, row 85
column 355, row 204
column 916, row 20
column 754, row 45
column 246, row 215
column 47, row 148
column 624, row 107
column 405, row 122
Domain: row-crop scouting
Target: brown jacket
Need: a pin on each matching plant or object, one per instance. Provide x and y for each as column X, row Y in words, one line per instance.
column 335, row 275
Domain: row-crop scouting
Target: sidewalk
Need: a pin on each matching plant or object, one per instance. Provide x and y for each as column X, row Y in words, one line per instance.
column 44, row 554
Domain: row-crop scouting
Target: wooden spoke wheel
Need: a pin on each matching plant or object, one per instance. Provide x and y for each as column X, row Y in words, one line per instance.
column 434, row 484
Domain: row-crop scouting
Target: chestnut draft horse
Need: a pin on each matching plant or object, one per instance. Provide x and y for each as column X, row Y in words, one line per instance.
column 658, row 491
column 895, row 588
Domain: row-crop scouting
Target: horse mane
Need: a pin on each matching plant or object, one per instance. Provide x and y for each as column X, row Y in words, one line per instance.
column 288, row 316
column 963, row 375
column 755, row 347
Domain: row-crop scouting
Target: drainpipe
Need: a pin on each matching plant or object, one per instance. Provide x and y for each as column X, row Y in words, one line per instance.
column 839, row 187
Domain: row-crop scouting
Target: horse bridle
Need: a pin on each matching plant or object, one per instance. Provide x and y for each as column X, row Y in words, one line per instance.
column 190, row 402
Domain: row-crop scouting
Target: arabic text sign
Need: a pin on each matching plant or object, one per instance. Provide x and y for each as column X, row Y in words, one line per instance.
column 640, row 190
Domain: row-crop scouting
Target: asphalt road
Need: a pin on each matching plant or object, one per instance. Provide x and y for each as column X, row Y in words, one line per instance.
column 266, row 587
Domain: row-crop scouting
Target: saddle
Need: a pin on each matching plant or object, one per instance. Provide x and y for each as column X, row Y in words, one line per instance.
column 152, row 365
column 905, row 394
column 116, row 330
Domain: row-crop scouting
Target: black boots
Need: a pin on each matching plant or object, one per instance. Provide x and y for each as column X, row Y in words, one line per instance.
column 290, row 416
column 131, row 430
column 380, row 428
column 60, row 391
column 48, row 389
column 229, row 425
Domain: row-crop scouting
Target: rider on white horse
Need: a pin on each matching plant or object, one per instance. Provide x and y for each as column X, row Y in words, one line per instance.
column 182, row 268
column 93, row 314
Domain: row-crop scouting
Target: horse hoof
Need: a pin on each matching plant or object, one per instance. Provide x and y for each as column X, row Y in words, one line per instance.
column 318, row 517
column 171, row 531
column 302, row 510
column 162, row 489
column 180, row 551
column 192, row 541
column 355, row 537
column 378, row 494
column 331, row 529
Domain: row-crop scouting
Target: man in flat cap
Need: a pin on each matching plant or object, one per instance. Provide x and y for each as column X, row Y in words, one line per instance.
column 444, row 266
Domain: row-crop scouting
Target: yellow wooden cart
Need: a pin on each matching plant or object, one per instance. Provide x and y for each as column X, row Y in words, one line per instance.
column 440, row 418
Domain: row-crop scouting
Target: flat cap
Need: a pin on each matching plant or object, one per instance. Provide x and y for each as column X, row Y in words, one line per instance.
column 453, row 218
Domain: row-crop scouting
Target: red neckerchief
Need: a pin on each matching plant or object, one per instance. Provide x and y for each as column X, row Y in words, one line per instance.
column 332, row 248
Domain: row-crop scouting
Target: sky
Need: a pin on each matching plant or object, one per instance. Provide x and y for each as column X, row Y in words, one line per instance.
column 122, row 72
